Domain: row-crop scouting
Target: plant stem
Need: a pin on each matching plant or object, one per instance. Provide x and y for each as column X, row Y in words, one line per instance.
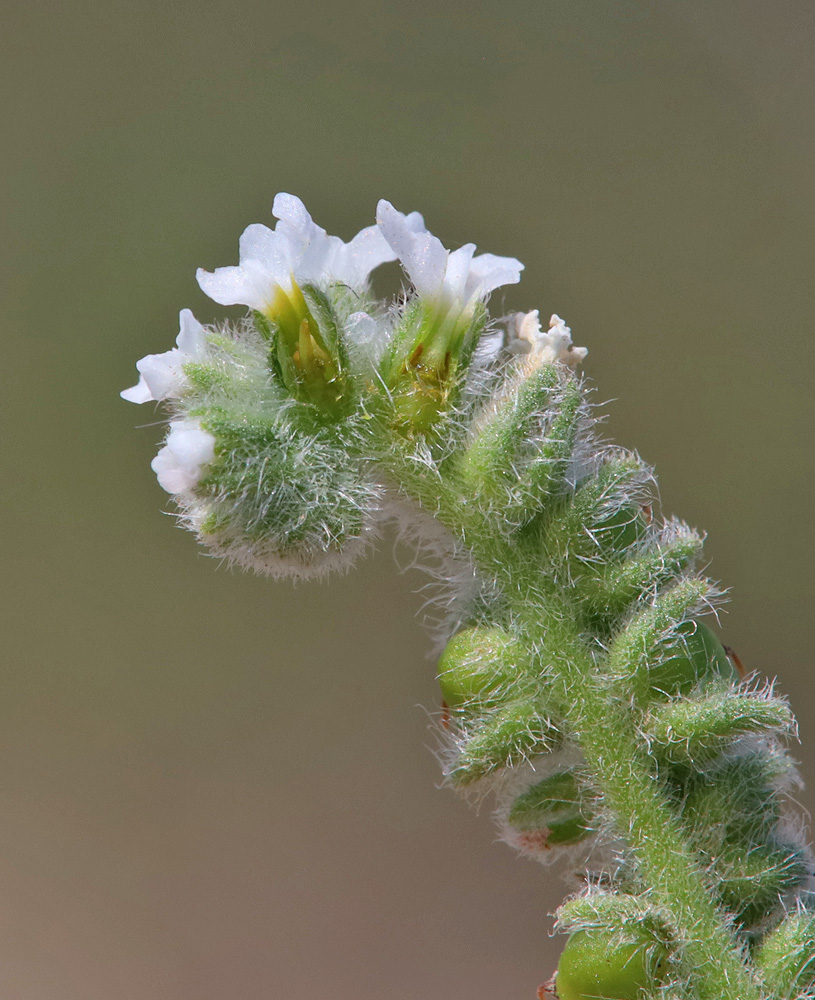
column 602, row 723
column 632, row 794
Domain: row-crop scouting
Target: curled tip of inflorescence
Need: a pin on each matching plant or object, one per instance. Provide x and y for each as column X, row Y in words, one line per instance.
column 270, row 443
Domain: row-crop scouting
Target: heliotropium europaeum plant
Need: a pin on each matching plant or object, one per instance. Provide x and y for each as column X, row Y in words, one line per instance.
column 579, row 682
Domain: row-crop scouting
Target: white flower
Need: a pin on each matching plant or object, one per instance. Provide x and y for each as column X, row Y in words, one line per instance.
column 448, row 278
column 161, row 376
column 526, row 337
column 180, row 463
column 296, row 250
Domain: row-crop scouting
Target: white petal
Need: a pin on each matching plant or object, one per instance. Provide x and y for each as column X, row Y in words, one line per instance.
column 161, row 376
column 191, row 444
column 458, row 272
column 295, row 222
column 317, row 263
column 274, row 253
column 555, row 344
column 163, row 373
column 267, row 260
column 529, row 325
column 488, row 349
column 138, row 393
column 191, row 337
column 457, row 277
column 296, row 248
column 415, row 222
column 366, row 251
column 232, row 286
column 422, row 255
column 170, row 477
column 489, row 272
column 313, row 253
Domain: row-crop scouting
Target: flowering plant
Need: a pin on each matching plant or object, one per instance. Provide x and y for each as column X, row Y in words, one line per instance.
column 578, row 682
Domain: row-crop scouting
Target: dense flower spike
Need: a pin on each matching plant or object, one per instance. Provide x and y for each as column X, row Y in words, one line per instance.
column 578, row 680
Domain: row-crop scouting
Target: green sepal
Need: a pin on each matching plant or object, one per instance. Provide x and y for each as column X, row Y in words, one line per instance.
column 693, row 656
column 489, row 465
column 545, row 473
column 751, row 883
column 640, row 643
column 425, row 367
column 275, row 496
column 466, row 343
column 206, row 378
column 280, row 361
column 785, row 957
column 576, row 537
column 735, row 802
column 609, row 595
column 695, row 730
column 510, row 735
column 306, row 350
column 322, row 310
column 602, row 909
column 622, row 529
column 263, row 325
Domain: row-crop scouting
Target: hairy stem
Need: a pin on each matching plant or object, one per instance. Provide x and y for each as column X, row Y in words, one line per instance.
column 602, row 724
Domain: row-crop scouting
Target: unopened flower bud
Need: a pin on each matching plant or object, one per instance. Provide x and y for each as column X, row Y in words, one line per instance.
column 525, row 336
column 187, row 451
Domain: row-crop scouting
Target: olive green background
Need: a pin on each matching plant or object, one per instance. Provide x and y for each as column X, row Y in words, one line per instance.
column 215, row 786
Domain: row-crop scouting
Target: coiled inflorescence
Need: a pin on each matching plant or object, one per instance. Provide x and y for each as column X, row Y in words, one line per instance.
column 579, row 682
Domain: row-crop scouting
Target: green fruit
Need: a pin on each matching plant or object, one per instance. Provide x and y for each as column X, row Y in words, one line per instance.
column 602, row 965
column 695, row 655
column 477, row 663
column 556, row 805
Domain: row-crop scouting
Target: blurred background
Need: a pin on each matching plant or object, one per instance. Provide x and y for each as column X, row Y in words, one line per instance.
column 215, row 786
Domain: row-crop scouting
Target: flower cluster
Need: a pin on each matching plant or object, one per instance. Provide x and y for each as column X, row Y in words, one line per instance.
column 307, row 364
